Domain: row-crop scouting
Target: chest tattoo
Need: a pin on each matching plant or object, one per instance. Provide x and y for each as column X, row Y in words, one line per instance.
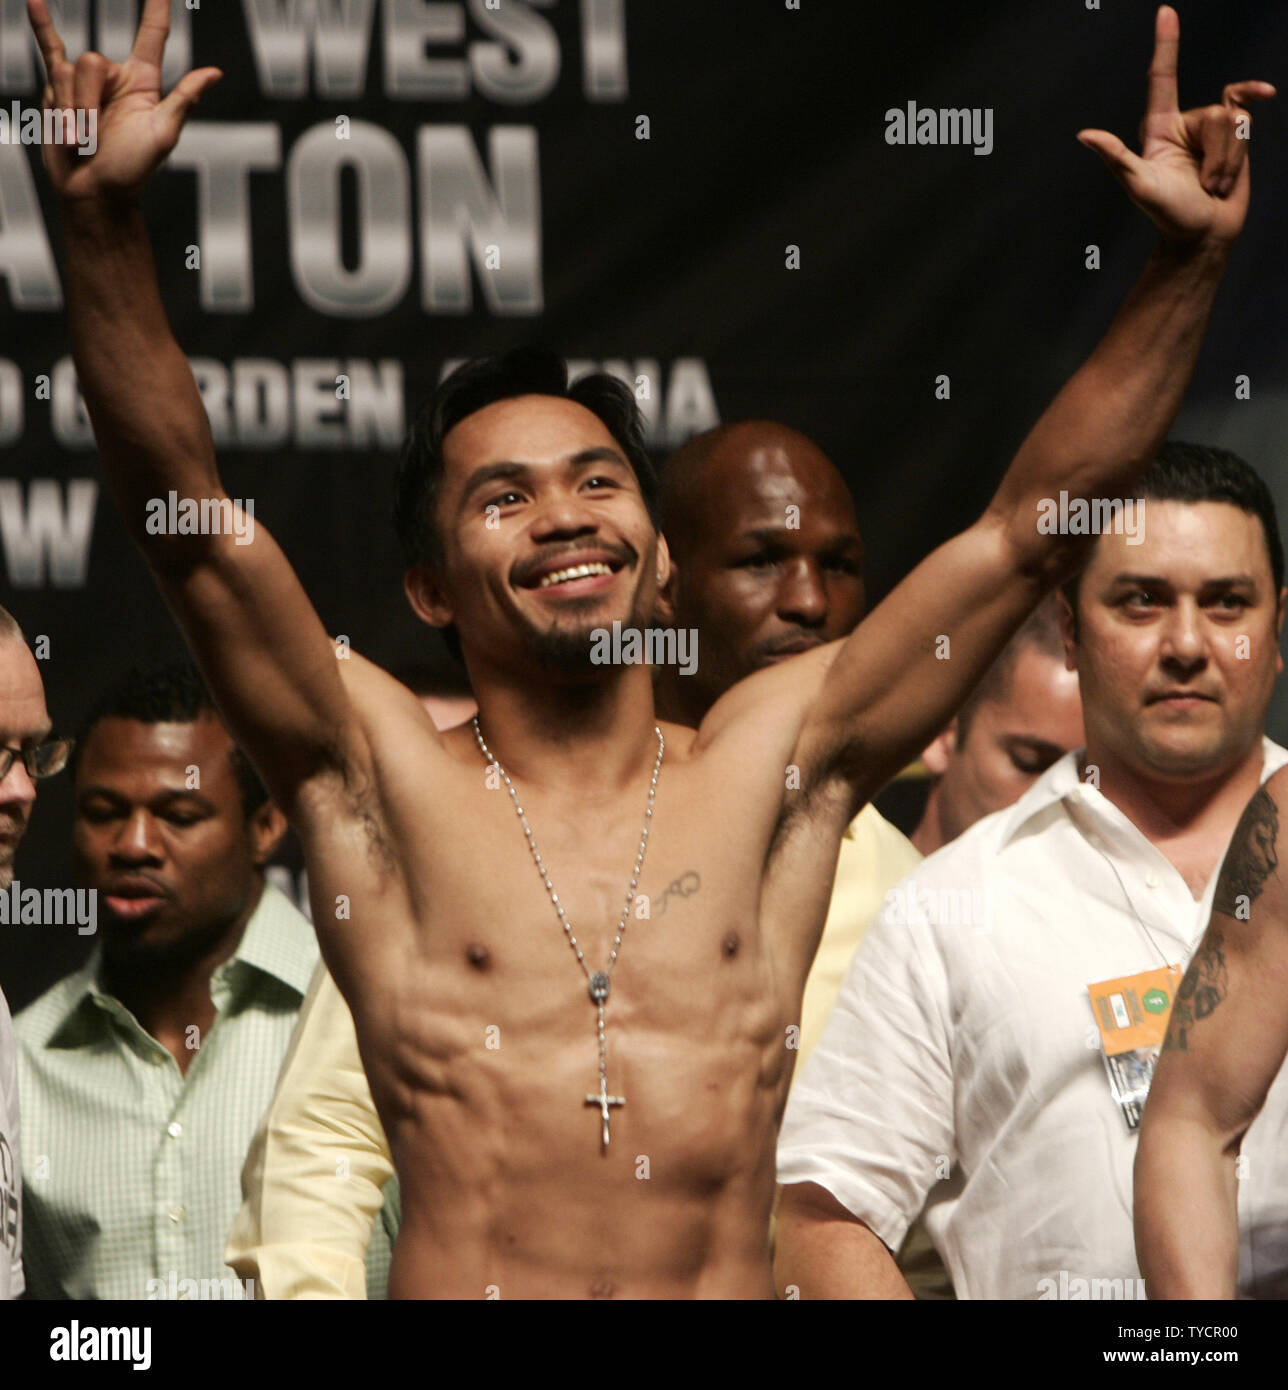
column 685, row 886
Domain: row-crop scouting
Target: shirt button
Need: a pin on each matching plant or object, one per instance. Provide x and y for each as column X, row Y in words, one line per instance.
column 177, row 1214
column 174, row 1129
column 1076, row 794
column 1151, row 880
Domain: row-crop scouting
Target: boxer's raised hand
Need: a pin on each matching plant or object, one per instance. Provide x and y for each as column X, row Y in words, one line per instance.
column 1191, row 177
column 136, row 128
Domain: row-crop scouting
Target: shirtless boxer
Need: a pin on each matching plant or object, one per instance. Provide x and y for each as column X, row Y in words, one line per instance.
column 535, row 1161
column 319, row 1200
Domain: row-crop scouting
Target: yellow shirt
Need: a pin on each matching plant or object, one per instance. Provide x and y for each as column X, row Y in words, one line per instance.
column 315, row 1176
column 874, row 857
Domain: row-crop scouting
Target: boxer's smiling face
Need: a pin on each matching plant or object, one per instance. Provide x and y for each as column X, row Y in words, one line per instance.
column 546, row 535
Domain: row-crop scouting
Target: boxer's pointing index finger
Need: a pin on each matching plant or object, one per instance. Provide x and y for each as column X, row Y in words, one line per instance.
column 154, row 28
column 1162, row 68
column 51, row 46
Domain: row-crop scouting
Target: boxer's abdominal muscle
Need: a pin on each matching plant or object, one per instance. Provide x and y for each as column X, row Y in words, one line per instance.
column 479, row 1038
column 507, row 1189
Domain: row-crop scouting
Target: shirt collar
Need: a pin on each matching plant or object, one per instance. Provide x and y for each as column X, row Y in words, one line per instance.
column 278, row 942
column 1060, row 782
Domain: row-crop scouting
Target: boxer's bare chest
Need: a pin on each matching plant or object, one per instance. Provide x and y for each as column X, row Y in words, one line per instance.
column 526, row 909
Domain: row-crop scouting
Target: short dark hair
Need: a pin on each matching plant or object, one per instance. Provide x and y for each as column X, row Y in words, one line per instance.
column 171, row 694
column 528, row 371
column 1203, row 473
column 1039, row 631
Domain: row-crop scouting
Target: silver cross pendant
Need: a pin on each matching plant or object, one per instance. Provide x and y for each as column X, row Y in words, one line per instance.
column 604, row 1100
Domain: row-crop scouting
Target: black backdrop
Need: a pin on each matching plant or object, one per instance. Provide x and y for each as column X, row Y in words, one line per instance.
column 766, row 130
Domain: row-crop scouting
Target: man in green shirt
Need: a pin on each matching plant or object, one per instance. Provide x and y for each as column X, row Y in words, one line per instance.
column 144, row 1074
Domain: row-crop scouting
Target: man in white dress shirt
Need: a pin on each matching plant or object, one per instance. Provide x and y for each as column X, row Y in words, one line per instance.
column 962, row 1062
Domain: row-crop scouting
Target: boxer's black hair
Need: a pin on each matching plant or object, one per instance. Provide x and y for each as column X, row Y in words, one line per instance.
column 481, row 382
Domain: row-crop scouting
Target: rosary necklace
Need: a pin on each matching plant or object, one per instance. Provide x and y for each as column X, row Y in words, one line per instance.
column 599, row 981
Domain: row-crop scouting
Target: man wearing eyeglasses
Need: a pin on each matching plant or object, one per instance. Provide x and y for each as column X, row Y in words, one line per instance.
column 26, row 754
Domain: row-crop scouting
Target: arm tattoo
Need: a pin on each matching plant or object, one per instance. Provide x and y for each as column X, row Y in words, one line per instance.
column 1252, row 858
column 1201, row 990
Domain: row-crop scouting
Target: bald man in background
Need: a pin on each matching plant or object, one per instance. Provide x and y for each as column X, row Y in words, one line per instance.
column 24, row 725
column 1023, row 716
column 27, row 753
column 767, row 564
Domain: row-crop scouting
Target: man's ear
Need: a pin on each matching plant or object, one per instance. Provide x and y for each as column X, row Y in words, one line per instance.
column 667, row 575
column 268, row 826
column 1279, row 630
column 425, row 594
column 1068, row 630
column 938, row 754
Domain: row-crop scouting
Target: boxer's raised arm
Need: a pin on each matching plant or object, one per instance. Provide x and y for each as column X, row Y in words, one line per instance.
column 251, row 626
column 1226, row 1041
column 899, row 677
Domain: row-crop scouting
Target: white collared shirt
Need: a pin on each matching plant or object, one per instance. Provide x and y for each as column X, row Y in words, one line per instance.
column 962, row 1061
